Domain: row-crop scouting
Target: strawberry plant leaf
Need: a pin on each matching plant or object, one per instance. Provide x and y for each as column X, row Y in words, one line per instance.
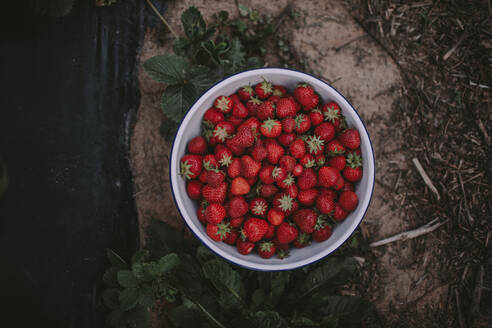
column 226, row 280
column 236, row 57
column 203, row 254
column 166, row 69
column 110, row 277
column 110, row 298
column 194, row 25
column 177, row 99
column 267, row 319
column 167, row 263
column 348, row 309
column 303, row 322
column 127, row 279
column 128, row 298
column 201, row 77
column 146, row 296
column 182, row 47
column 115, row 259
column 279, row 281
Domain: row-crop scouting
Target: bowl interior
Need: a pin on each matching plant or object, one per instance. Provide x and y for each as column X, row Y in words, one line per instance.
column 191, row 127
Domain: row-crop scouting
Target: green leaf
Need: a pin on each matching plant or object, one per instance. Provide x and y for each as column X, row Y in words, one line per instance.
column 126, row 278
column 110, row 277
column 181, row 47
column 166, row 69
column 348, row 309
column 303, row 322
column 193, row 24
column 267, row 319
column 167, row 263
column 168, row 129
column 243, row 10
column 140, row 255
column 225, row 280
column 279, row 281
column 223, row 16
column 110, row 298
column 258, row 298
column 177, row 100
column 203, row 254
column 128, row 298
column 202, row 78
column 115, row 259
column 146, row 296
column 236, row 56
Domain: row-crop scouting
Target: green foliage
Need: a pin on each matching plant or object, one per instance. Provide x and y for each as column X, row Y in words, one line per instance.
column 206, row 54
column 209, row 292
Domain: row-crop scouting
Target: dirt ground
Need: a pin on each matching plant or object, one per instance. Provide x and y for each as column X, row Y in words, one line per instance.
column 402, row 279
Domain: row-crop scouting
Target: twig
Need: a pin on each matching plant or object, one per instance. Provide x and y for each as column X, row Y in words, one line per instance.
column 162, row 18
column 458, row 308
column 453, row 48
column 470, row 217
column 482, row 129
column 477, row 292
column 426, row 178
column 337, row 49
column 281, row 16
column 425, row 229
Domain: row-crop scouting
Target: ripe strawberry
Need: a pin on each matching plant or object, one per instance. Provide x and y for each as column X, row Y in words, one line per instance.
column 303, row 123
column 244, row 247
column 322, row 230
column 270, row 232
column 304, row 94
column 337, row 162
column 340, row 183
column 316, row 117
column 288, row 125
column 245, row 92
column 305, row 219
column 223, row 155
column 235, row 121
column 234, row 146
column 297, row 171
column 279, row 90
column 239, row 110
column 278, row 174
column 275, row 151
column 258, row 207
column 266, row 249
column 200, row 213
column 197, row 145
column 238, row 207
column 291, row 190
column 348, row 186
column 215, row 213
column 224, row 104
column 302, row 240
column 330, row 193
column 325, row 204
column 308, row 161
column 252, row 180
column 264, row 89
column 215, row 194
column 339, row 214
column 244, row 137
column 210, row 162
column 215, row 177
column 325, row 131
column 350, row 138
column 314, row 101
column 285, row 203
column 267, row 190
column 271, row 128
column 320, row 160
column 259, row 151
column 331, row 112
column 249, row 167
column 274, row 99
column 353, row 171
column 252, row 105
column 307, row 180
column 287, row 163
column 255, row 229
column 334, row 148
column 275, row 216
column 286, row 233
column 240, row 186
column 234, row 169
column 348, row 200
column 315, row 145
column 236, row 222
column 191, row 166
column 265, row 174
column 212, row 116
column 287, row 182
column 235, row 99
column 232, row 237
column 265, row 110
column 307, row 197
column 194, row 189
column 218, row 232
column 327, row 176
column 222, row 131
column 286, row 139
column 286, row 108
column 297, row 148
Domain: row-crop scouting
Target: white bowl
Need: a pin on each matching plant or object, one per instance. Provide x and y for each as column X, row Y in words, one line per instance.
column 191, row 127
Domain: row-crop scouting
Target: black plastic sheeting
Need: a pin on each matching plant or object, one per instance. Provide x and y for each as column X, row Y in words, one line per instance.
column 69, row 95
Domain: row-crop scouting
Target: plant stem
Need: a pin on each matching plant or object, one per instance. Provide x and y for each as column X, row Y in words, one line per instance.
column 162, row 18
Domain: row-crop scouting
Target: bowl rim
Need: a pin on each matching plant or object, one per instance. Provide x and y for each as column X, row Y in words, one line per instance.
column 245, row 263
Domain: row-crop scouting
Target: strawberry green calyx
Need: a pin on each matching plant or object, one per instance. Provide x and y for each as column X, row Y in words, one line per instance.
column 285, row 203
column 209, row 167
column 282, row 254
column 207, row 124
column 277, row 93
column 185, row 170
column 223, row 229
column 316, row 110
column 321, row 222
column 270, row 124
column 303, row 238
column 255, row 100
column 204, row 203
column 332, row 114
column 226, row 160
column 223, row 104
column 259, row 208
column 208, row 133
column 299, row 119
column 289, row 180
column 276, row 172
column 248, row 89
column 242, row 235
column 266, row 246
column 315, row 143
column 320, row 162
column 221, row 133
column 354, row 160
column 267, row 87
column 310, row 163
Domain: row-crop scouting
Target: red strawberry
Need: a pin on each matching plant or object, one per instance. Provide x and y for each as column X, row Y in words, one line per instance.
column 264, row 89
column 270, row 232
column 222, row 131
column 244, row 247
column 297, row 148
column 238, row 207
column 279, row 90
column 267, row 190
column 232, row 237
column 316, row 117
column 325, row 131
column 340, row 183
column 320, row 160
column 278, row 174
column 350, row 138
column 210, row 162
column 244, row 137
column 223, row 155
column 252, row 105
column 275, row 151
column 215, row 213
column 331, row 112
column 215, row 177
column 322, row 230
column 265, row 174
column 302, row 240
column 245, row 92
column 303, row 123
column 327, row 176
column 308, row 161
column 337, row 162
column 307, row 180
column 197, row 145
column 200, row 213
column 334, row 148
column 266, row 249
column 348, row 186
column 249, row 167
column 224, row 104
column 304, row 94
column 288, row 182
column 330, row 193
column 348, row 200
column 212, row 116
column 191, row 166
column 286, row 138
column 234, row 146
column 265, row 110
column 339, row 214
column 218, row 232
column 240, row 186
column 236, row 222
column 288, row 125
column 252, row 123
column 305, row 219
column 274, row 99
column 235, row 99
column 307, row 197
column 286, row 108
column 258, row 206
column 215, row 194
column 239, row 110
column 315, row 145
column 291, row 190
column 287, row 163
column 252, row 180
column 285, row 203
column 234, row 169
column 275, row 216
column 271, row 128
column 297, row 171
column 194, row 189
column 235, row 121
column 353, row 171
column 314, row 101
column 259, row 151
column 286, row 233
column 255, row 229
column 325, row 204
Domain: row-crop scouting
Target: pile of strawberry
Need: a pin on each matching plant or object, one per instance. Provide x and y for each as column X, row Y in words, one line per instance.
column 271, row 168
